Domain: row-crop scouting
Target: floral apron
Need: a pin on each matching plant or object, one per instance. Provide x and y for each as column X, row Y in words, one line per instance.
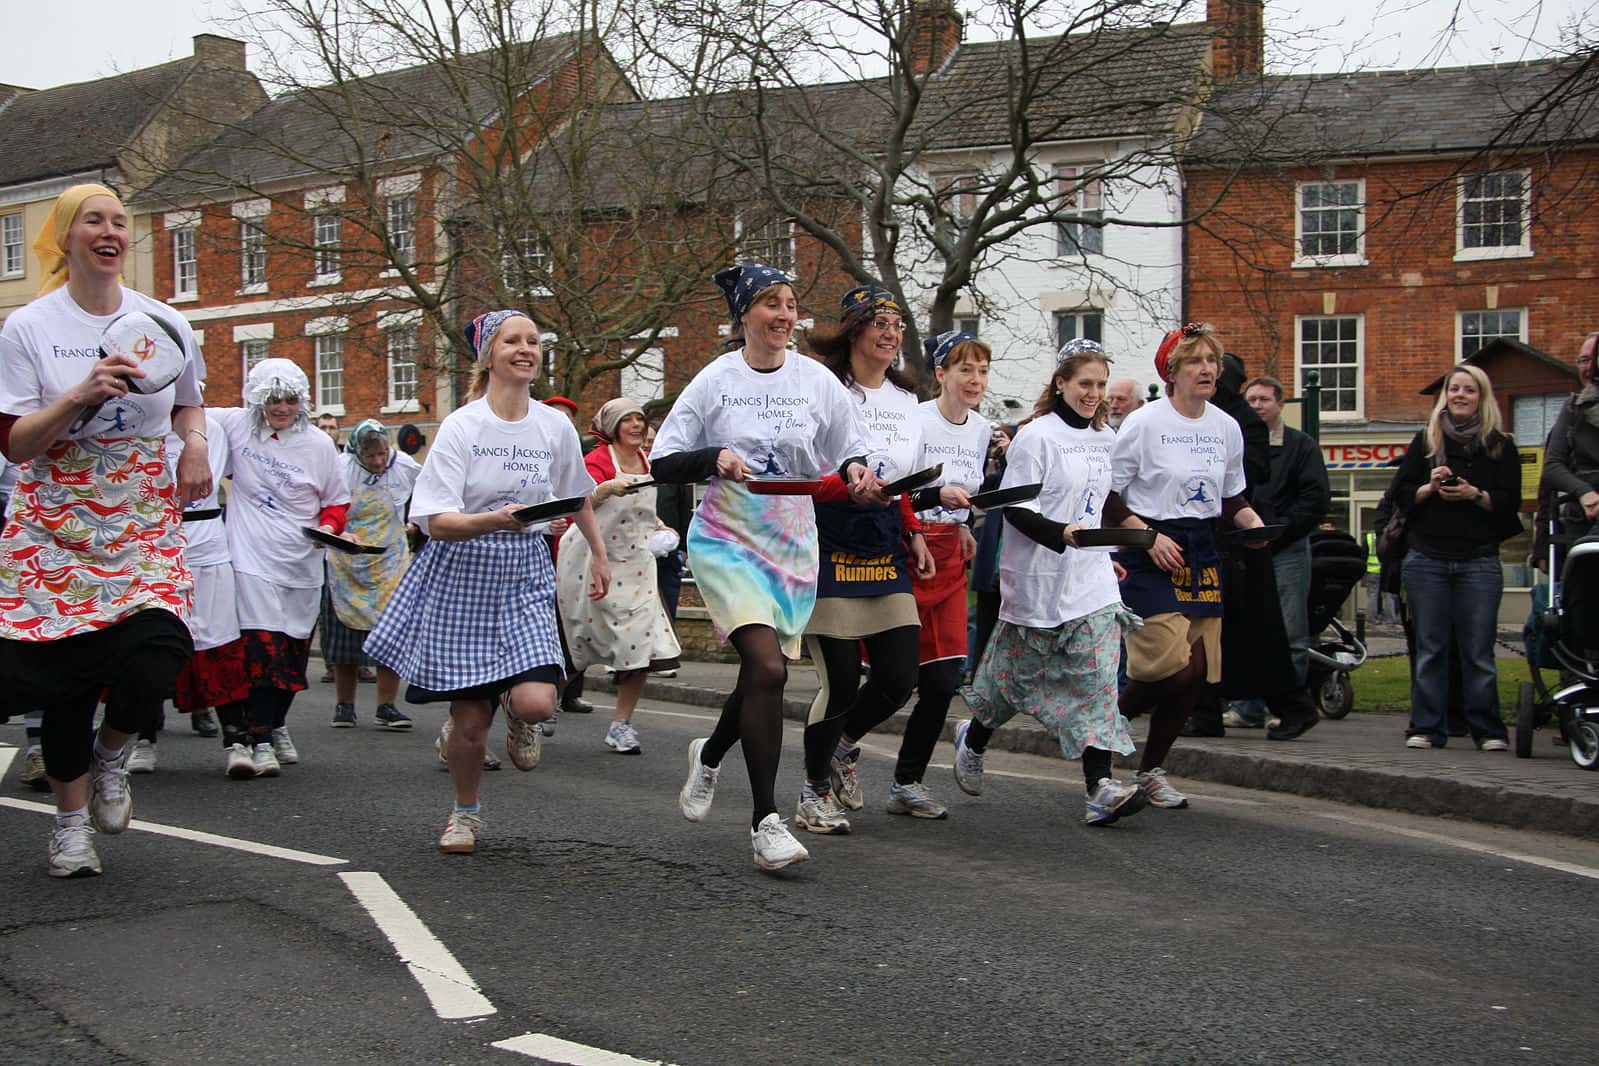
column 361, row 585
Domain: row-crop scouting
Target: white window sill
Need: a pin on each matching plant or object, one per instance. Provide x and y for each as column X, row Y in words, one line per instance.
column 1477, row 255
column 322, row 280
column 1342, row 416
column 404, row 407
column 392, row 272
column 1324, row 261
column 13, row 275
column 336, row 409
column 183, row 298
column 252, row 290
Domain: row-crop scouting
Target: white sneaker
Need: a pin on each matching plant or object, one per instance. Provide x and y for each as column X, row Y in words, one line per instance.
column 264, row 761
column 441, row 746
column 846, row 782
column 775, row 847
column 623, row 739
column 1420, row 740
column 547, row 727
column 460, row 833
column 700, row 788
column 915, row 800
column 141, row 760
column 524, row 743
column 72, row 851
column 1160, row 791
column 1113, row 800
column 283, row 746
column 110, row 798
column 820, row 814
column 240, row 765
column 968, row 763
column 1494, row 744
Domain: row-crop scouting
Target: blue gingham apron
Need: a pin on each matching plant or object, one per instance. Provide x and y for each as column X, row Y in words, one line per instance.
column 471, row 612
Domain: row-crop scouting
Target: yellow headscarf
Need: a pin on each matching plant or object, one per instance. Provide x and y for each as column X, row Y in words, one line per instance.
column 51, row 243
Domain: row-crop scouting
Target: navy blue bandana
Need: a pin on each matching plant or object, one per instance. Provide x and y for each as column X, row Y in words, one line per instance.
column 939, row 347
column 741, row 284
column 1080, row 346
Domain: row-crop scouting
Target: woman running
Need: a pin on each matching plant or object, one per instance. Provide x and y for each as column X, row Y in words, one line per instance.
column 1057, row 645
column 96, row 592
column 1177, row 466
column 360, row 586
column 628, row 630
column 864, row 598
column 473, row 620
column 759, row 410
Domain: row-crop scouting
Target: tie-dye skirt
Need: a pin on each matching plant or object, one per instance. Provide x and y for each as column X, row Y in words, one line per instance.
column 754, row 559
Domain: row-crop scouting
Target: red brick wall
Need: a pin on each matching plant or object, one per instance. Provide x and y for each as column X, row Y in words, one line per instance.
column 1239, row 274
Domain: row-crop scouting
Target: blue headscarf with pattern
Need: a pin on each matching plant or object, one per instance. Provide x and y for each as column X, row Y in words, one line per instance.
column 938, row 348
column 481, row 330
column 1080, row 346
column 741, row 284
column 864, row 301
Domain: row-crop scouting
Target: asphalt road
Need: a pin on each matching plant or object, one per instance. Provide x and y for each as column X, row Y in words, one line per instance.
column 1252, row 928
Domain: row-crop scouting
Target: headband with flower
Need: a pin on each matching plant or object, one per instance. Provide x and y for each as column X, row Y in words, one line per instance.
column 1169, row 343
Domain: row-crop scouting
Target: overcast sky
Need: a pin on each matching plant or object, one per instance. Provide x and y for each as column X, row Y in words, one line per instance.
column 55, row 43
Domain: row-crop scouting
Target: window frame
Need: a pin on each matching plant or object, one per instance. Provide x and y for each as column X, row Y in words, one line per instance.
column 252, row 255
column 1523, row 250
column 1069, row 235
column 20, row 244
column 1300, row 367
column 773, row 234
column 397, row 404
column 318, row 355
column 1337, row 259
column 327, row 265
column 1460, row 329
column 191, row 236
column 405, row 251
column 1081, row 315
column 525, row 259
column 245, row 347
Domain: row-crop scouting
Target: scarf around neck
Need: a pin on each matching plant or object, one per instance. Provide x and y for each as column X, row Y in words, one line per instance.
column 1463, row 432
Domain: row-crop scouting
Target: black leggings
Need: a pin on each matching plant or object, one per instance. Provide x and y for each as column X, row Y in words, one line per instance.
column 845, row 706
column 753, row 716
column 935, row 687
column 137, row 660
column 1096, row 761
column 1169, row 701
column 251, row 721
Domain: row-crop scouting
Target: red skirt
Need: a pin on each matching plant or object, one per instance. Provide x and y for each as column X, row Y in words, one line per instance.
column 212, row 678
column 941, row 601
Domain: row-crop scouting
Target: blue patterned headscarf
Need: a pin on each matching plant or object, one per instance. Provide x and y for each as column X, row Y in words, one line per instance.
column 741, row 284
column 1080, row 346
column 366, row 428
column 481, row 330
column 938, row 348
column 864, row 301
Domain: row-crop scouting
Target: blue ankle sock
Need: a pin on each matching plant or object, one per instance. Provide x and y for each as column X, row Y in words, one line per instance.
column 474, row 809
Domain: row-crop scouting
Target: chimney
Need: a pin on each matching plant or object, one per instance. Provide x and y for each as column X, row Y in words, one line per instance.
column 935, row 33
column 1238, row 38
column 215, row 51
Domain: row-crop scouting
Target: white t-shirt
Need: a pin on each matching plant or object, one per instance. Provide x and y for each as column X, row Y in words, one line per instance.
column 795, row 421
column 893, row 427
column 480, row 463
column 963, row 449
column 1042, row 588
column 397, row 480
column 207, row 540
column 280, row 486
column 50, row 345
column 1166, row 465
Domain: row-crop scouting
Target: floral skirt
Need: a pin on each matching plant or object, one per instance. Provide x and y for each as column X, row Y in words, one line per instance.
column 212, row 678
column 1065, row 677
column 274, row 660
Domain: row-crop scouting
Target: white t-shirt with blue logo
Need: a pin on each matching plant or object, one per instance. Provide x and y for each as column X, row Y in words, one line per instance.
column 1166, row 465
column 962, row 449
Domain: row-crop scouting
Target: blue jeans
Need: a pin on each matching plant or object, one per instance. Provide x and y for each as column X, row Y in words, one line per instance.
column 1292, row 568
column 1454, row 602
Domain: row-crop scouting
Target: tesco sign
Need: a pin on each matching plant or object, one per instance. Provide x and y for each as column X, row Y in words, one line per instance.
column 1362, row 454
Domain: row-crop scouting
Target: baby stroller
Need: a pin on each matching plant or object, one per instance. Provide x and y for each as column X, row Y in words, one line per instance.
column 1565, row 637
column 1337, row 565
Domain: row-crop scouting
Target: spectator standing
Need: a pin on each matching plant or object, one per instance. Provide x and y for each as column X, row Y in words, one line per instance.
column 1571, row 462
column 1122, row 399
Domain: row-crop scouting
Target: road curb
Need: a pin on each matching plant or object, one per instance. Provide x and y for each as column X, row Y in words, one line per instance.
column 1365, row 786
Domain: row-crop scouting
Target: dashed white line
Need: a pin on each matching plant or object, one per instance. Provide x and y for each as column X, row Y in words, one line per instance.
column 554, row 1049
column 449, row 988
column 271, row 851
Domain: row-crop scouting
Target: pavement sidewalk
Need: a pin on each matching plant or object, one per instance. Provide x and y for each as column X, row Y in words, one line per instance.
column 1360, row 759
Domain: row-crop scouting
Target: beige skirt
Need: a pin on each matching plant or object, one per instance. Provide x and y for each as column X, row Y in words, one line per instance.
column 861, row 616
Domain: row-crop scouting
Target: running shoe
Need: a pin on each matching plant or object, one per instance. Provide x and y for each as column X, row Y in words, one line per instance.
column 820, row 814
column 441, row 745
column 523, row 741
column 968, row 763
column 623, row 739
column 460, row 833
column 391, row 717
column 283, row 747
column 72, row 851
column 344, row 716
column 576, row 705
column 141, row 760
column 700, row 788
column 1113, row 800
column 547, row 727
column 1160, row 791
column 264, row 761
column 915, row 800
column 1493, row 744
column 110, row 798
column 33, row 771
column 366, row 675
column 240, row 765
column 846, row 783
column 204, row 723
column 1233, row 720
column 1420, row 740
column 774, row 846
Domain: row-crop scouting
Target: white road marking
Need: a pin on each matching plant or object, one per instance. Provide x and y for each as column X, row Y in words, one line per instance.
column 7, row 753
column 1464, row 845
column 445, row 981
column 195, row 836
column 554, row 1049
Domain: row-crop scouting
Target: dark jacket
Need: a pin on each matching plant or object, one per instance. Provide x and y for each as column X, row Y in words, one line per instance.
column 1297, row 495
column 1444, row 529
column 1571, row 463
column 1257, row 438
